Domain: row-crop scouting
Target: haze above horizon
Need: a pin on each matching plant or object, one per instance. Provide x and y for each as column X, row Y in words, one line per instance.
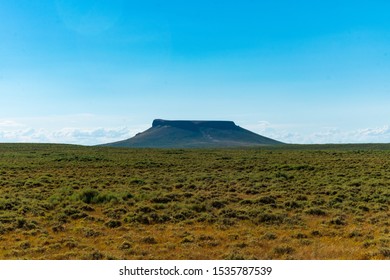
column 98, row 71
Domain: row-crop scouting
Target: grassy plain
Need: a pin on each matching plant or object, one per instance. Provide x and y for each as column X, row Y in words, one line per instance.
column 293, row 202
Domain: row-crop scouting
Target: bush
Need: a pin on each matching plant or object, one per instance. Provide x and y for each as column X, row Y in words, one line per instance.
column 93, row 196
column 88, row 196
column 184, row 215
column 22, row 223
column 316, row 212
column 302, row 197
column 385, row 252
column 113, row 224
column 199, row 208
column 293, row 205
column 232, row 213
column 127, row 196
column 149, row 240
column 218, row 204
column 284, row 250
column 115, row 213
column 267, row 218
column 339, row 221
column 96, row 256
column 8, row 204
column 270, row 236
column 266, row 200
column 162, row 200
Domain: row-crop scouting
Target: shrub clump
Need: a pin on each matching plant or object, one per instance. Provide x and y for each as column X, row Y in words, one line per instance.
column 8, row 204
column 149, row 240
column 91, row 196
column 113, row 224
column 271, row 219
column 316, row 212
column 267, row 200
column 284, row 250
column 22, row 223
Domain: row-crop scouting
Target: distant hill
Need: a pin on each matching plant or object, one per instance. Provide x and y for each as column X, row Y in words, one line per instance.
column 194, row 134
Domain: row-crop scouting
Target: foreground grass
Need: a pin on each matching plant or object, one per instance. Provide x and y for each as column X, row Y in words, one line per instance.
column 295, row 202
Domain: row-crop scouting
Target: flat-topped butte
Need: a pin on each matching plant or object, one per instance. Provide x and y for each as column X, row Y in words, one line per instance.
column 195, row 134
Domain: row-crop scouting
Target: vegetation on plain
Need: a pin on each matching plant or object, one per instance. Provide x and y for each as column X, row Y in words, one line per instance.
column 284, row 202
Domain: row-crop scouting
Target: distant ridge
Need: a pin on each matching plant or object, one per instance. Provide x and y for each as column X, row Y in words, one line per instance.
column 194, row 134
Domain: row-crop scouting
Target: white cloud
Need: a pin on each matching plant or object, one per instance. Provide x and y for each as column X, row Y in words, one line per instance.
column 66, row 135
column 85, row 129
column 380, row 131
column 379, row 134
column 91, row 136
column 300, row 134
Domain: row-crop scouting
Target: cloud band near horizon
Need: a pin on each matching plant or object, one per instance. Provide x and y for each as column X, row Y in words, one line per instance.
column 95, row 133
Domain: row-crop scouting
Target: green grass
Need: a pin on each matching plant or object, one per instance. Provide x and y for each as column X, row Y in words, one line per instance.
column 286, row 202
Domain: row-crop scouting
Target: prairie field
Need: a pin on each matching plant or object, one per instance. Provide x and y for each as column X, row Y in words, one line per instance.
column 288, row 202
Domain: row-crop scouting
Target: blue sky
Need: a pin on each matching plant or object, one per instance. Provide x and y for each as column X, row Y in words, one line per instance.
column 90, row 72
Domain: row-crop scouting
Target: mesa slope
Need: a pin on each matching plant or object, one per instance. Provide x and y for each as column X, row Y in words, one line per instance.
column 195, row 134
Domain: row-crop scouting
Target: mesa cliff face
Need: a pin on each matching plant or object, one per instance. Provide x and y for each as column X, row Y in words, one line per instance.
column 194, row 134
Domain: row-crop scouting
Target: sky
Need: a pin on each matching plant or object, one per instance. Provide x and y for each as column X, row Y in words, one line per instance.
column 97, row 71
